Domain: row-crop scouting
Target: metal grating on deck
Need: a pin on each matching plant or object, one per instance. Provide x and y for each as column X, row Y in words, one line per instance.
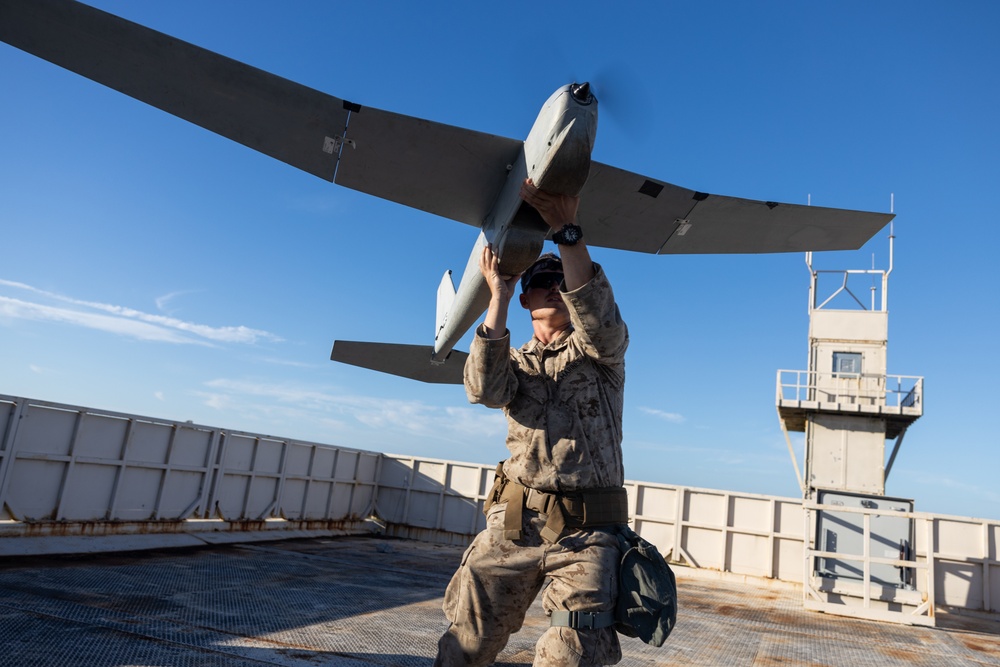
column 361, row 602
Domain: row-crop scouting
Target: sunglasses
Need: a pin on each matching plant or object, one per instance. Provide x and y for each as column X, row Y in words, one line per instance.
column 544, row 280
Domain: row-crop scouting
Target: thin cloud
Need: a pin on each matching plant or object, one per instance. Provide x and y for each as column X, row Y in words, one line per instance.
column 124, row 321
column 924, row 478
column 671, row 417
column 163, row 301
column 23, row 310
column 284, row 401
column 290, row 363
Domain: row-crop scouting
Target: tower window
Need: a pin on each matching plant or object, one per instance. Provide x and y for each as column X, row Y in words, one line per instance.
column 847, row 363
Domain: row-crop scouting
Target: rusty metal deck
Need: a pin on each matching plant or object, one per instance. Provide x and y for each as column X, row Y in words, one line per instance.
column 362, row 602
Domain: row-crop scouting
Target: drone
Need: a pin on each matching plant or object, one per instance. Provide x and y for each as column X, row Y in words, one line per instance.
column 456, row 173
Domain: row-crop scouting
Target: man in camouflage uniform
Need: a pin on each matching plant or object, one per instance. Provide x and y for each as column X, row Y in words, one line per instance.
column 558, row 498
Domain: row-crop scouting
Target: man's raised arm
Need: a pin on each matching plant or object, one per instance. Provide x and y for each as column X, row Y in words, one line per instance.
column 558, row 211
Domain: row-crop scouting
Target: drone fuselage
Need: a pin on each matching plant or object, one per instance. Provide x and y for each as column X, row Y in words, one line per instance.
column 556, row 157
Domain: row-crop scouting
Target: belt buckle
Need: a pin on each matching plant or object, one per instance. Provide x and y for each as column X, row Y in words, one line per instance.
column 540, row 500
column 531, row 499
column 582, row 619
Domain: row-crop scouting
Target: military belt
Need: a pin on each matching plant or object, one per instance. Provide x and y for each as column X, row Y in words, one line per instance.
column 580, row 509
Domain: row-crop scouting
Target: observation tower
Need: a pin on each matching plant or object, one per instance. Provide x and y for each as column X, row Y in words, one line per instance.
column 860, row 559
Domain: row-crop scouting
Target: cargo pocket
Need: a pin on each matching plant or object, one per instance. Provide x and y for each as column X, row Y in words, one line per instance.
column 453, row 594
column 494, row 518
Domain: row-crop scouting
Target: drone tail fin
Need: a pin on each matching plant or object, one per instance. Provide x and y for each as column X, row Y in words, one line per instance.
column 445, row 297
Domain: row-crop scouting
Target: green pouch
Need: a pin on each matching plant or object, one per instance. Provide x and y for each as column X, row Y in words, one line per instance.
column 647, row 591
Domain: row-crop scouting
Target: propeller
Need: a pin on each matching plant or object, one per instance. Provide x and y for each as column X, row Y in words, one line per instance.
column 581, row 91
column 626, row 103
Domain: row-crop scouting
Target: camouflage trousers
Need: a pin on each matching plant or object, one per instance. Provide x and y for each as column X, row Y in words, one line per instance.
column 489, row 595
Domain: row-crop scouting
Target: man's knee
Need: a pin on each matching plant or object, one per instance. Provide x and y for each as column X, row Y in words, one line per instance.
column 456, row 649
column 566, row 647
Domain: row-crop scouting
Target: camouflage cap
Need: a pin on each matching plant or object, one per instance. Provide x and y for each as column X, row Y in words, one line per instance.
column 547, row 262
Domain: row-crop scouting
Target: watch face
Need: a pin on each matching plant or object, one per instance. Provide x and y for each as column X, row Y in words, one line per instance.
column 568, row 235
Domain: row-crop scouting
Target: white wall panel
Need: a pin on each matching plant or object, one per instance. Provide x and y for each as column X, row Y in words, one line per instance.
column 748, row 554
column 788, row 517
column 138, row 491
column 86, row 494
column 788, row 562
column 656, row 502
column 100, row 437
column 298, row 460
column 34, row 489
column 317, row 499
column 705, row 507
column 46, row 430
column 150, row 443
column 190, row 446
column 748, row 513
column 75, row 465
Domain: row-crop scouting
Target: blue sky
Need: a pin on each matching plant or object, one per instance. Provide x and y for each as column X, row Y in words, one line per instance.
column 148, row 266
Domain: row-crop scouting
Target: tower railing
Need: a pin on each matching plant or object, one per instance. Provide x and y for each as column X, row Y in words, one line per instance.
column 887, row 391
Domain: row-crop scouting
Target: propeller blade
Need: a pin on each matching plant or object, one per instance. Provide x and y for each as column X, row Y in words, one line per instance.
column 625, row 99
column 272, row 115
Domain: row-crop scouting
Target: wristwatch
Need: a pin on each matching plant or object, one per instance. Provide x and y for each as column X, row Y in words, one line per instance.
column 570, row 234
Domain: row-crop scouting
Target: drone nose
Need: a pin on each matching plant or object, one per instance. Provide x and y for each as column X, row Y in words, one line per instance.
column 581, row 92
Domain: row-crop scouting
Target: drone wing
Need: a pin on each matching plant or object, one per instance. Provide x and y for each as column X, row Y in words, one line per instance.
column 444, row 170
column 277, row 117
column 627, row 211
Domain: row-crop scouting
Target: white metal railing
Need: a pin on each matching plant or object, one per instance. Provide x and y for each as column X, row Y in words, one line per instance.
column 886, row 391
column 725, row 532
column 432, row 499
column 68, row 470
column 728, row 532
column 916, row 607
column 66, row 466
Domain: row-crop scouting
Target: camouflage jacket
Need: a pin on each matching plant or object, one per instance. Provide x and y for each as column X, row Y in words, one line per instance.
column 563, row 400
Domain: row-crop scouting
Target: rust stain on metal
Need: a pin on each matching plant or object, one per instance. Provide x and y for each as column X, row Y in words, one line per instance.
column 97, row 528
column 989, row 646
column 899, row 654
column 727, row 610
column 109, row 528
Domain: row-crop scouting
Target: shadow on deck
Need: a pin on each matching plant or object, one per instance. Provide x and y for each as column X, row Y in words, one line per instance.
column 362, row 602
